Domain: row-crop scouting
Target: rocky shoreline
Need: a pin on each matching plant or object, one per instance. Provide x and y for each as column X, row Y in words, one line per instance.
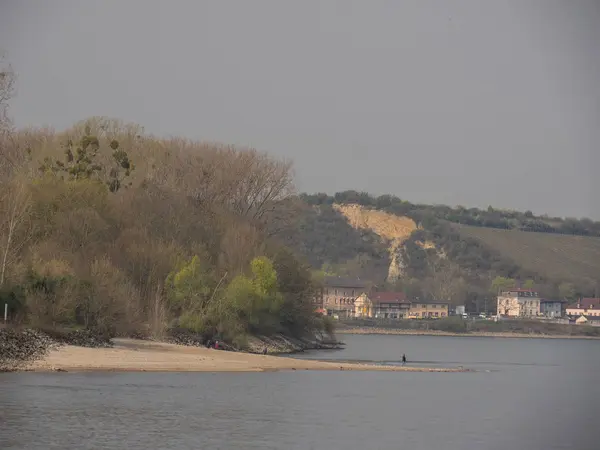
column 22, row 346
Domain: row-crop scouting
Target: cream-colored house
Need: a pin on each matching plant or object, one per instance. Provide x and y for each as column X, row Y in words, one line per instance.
column 519, row 303
column 382, row 305
column 585, row 306
column 428, row 309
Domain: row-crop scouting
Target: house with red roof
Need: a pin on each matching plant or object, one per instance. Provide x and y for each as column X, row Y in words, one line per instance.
column 585, row 307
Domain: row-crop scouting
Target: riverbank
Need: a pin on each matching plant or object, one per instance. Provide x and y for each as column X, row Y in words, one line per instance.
column 507, row 334
column 130, row 355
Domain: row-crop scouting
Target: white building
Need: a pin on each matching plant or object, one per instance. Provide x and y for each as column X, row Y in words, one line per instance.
column 519, row 303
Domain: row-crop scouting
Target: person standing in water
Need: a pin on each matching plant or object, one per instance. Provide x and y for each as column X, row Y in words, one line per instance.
column 403, row 359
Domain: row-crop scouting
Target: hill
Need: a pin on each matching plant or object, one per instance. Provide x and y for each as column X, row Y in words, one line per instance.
column 554, row 256
column 423, row 249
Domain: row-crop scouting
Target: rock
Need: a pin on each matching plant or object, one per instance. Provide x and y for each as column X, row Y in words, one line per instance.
column 18, row 347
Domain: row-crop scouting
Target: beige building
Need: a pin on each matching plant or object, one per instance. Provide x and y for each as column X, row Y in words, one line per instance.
column 339, row 295
column 519, row 303
column 585, row 307
column 428, row 309
column 382, row 305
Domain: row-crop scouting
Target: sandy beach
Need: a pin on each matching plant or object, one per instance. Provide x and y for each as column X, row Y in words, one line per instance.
column 129, row 355
column 369, row 330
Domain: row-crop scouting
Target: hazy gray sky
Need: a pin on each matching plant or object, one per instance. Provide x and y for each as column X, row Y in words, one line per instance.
column 466, row 102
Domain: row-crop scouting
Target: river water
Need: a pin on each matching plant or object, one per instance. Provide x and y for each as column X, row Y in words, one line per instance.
column 525, row 394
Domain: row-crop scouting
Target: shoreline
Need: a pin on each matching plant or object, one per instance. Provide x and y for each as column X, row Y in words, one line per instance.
column 130, row 355
column 391, row 331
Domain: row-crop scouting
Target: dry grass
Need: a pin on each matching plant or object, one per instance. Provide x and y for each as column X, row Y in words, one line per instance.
column 556, row 256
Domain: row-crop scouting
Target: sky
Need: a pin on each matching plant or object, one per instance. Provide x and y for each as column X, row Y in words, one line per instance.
column 463, row 102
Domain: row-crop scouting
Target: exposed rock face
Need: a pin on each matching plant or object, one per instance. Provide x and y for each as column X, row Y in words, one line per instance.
column 394, row 229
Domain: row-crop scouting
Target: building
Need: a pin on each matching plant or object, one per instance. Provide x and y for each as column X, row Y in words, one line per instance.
column 427, row 309
column 519, row 303
column 382, row 305
column 551, row 308
column 339, row 295
column 392, row 305
column 593, row 321
column 585, row 307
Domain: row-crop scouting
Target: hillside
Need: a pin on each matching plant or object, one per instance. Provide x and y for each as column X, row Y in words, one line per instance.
column 554, row 256
column 384, row 238
column 389, row 227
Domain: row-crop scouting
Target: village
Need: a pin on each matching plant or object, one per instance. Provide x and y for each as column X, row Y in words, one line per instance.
column 348, row 298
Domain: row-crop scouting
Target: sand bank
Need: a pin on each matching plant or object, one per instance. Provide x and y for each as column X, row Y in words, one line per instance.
column 129, row 355
column 369, row 330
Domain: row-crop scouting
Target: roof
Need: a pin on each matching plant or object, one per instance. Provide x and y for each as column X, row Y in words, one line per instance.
column 586, row 303
column 589, row 318
column 388, row 297
column 345, row 282
column 430, row 302
column 532, row 292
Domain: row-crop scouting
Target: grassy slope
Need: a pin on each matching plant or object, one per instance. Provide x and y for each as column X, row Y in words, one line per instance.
column 555, row 256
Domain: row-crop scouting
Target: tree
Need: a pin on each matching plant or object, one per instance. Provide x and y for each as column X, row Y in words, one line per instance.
column 190, row 287
column 444, row 281
column 87, row 160
column 566, row 290
column 255, row 301
column 529, row 284
column 295, row 283
column 500, row 284
column 15, row 204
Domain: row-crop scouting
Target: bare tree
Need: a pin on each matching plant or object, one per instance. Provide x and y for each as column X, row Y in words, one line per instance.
column 444, row 282
column 15, row 204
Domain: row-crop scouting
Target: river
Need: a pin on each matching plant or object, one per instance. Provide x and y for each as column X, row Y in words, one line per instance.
column 524, row 394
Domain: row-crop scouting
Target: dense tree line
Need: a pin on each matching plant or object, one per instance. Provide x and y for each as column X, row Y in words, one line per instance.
column 103, row 226
column 490, row 217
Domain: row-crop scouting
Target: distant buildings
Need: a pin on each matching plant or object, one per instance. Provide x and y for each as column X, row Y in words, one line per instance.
column 585, row 312
column 551, row 308
column 383, row 305
column 345, row 298
column 340, row 293
column 428, row 309
column 519, row 303
column 585, row 307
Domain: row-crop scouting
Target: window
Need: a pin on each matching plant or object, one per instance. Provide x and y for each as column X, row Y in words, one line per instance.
column 336, row 292
column 436, row 314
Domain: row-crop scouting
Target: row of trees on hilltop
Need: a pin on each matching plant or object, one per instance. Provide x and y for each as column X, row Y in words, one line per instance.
column 104, row 226
column 490, row 217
